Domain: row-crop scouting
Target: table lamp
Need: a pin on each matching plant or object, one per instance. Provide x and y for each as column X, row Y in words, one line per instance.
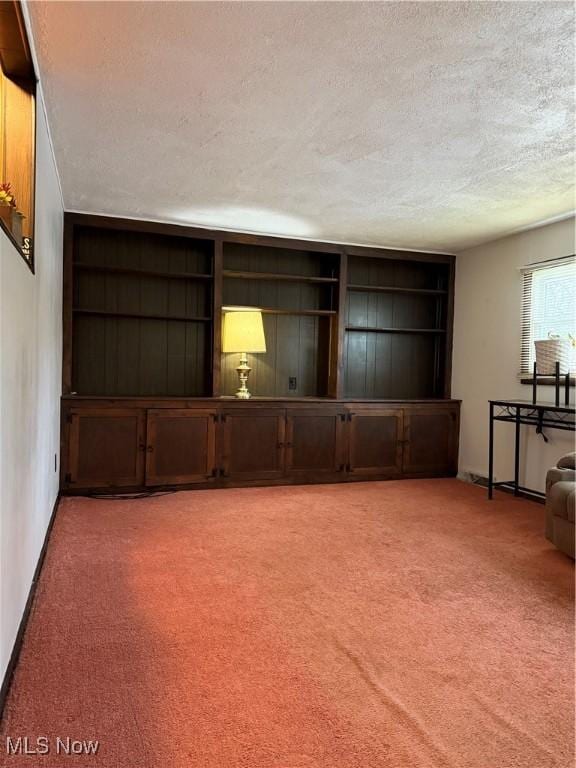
column 243, row 331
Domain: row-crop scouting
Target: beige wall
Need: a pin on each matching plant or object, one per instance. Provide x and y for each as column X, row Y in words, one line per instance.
column 487, row 350
column 30, row 376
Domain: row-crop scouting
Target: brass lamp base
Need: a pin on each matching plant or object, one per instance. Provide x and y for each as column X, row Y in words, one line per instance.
column 243, row 372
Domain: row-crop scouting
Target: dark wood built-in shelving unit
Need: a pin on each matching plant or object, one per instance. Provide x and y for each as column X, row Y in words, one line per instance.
column 355, row 381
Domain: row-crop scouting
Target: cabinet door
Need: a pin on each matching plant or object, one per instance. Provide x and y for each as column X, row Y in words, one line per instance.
column 106, row 448
column 180, row 446
column 375, row 438
column 431, row 440
column 314, row 441
column 253, row 443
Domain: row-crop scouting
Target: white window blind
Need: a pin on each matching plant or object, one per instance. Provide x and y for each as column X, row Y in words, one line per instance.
column 548, row 306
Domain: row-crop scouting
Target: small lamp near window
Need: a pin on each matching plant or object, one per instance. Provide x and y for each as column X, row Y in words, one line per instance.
column 243, row 332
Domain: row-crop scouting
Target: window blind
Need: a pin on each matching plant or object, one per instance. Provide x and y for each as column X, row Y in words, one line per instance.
column 548, row 306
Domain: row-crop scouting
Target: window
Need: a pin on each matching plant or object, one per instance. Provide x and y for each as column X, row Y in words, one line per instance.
column 548, row 307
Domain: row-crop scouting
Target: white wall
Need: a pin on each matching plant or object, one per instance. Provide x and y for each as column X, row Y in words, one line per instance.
column 487, row 351
column 30, row 377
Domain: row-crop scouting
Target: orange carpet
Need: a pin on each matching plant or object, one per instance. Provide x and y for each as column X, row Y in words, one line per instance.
column 407, row 624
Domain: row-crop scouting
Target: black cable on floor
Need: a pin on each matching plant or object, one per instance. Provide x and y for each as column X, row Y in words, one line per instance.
column 128, row 496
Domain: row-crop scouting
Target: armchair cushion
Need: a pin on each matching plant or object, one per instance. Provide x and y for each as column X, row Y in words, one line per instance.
column 561, row 504
column 562, row 496
column 568, row 461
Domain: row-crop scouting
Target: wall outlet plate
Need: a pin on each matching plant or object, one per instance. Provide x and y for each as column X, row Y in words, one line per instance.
column 292, row 382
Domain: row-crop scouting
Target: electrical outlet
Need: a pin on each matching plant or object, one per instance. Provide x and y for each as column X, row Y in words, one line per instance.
column 292, row 382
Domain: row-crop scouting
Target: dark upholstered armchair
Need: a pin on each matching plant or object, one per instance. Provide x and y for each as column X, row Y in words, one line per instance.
column 561, row 503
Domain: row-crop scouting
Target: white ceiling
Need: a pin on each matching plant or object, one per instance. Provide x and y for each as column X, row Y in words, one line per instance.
column 434, row 125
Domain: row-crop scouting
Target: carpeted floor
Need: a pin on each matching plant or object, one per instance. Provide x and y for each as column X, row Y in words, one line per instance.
column 406, row 624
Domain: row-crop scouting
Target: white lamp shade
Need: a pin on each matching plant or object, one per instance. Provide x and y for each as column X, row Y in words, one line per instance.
column 243, row 331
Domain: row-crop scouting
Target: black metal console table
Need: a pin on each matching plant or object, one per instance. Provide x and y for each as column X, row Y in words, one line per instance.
column 539, row 415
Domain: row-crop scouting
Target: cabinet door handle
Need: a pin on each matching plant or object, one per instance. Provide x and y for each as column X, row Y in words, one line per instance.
column 281, row 445
column 150, row 448
column 141, row 446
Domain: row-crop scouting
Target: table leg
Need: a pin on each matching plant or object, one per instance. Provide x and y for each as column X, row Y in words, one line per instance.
column 517, row 453
column 491, row 453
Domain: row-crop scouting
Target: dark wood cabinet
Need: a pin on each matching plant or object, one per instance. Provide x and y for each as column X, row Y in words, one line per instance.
column 181, row 446
column 106, row 448
column 204, row 443
column 315, row 442
column 375, row 442
column 431, row 441
column 252, row 444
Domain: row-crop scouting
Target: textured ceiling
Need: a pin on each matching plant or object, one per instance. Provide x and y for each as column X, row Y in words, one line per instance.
column 435, row 125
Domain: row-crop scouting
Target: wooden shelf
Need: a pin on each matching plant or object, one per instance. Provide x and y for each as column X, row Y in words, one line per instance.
column 278, row 277
column 142, row 272
column 272, row 311
column 394, row 289
column 370, row 329
column 140, row 315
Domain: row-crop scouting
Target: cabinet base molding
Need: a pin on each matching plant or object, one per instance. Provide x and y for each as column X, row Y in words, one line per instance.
column 127, row 445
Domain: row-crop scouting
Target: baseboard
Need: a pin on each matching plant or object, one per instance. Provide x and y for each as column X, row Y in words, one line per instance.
column 474, row 479
column 17, row 647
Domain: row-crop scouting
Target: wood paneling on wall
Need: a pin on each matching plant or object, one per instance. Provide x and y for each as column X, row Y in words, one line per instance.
column 282, row 261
